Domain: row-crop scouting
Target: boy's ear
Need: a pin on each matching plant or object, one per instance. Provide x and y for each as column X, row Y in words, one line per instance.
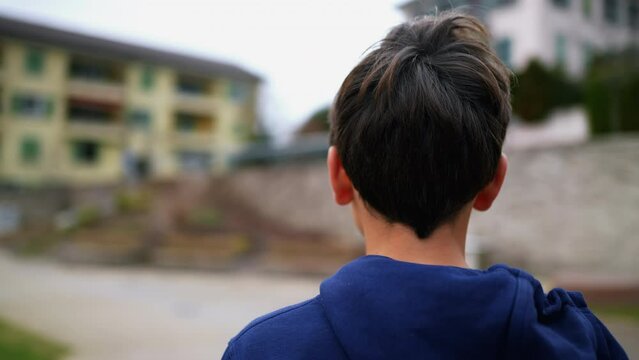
column 343, row 191
column 488, row 194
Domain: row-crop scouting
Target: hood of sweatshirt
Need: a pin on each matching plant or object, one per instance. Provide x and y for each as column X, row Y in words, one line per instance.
column 382, row 308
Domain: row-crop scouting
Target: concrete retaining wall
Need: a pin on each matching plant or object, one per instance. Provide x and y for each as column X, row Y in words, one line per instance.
column 568, row 208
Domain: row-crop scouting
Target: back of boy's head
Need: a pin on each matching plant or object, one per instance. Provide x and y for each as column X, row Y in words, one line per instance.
column 419, row 123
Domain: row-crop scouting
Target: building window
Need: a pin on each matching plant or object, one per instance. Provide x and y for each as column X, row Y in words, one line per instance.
column 139, row 119
column 586, row 8
column 30, row 150
column 32, row 105
column 92, row 69
column 186, row 122
column 86, row 152
column 195, row 160
column 633, row 15
column 611, row 11
column 237, row 91
column 147, row 78
column 560, row 50
column 34, row 61
column 561, row 3
column 504, row 50
column 193, row 86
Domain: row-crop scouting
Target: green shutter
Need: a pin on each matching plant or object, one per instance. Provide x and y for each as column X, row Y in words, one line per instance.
column 75, row 151
column 30, row 150
column 587, row 8
column 504, row 51
column 560, row 50
column 147, row 78
column 34, row 61
column 49, row 107
column 16, row 104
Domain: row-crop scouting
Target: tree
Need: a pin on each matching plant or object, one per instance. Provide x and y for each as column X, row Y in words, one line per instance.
column 318, row 122
column 537, row 91
column 612, row 92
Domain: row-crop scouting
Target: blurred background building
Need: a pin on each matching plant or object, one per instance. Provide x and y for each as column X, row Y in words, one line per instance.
column 83, row 110
column 558, row 32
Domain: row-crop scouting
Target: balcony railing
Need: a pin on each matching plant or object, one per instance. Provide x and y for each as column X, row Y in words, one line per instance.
column 193, row 140
column 96, row 90
column 87, row 129
column 195, row 103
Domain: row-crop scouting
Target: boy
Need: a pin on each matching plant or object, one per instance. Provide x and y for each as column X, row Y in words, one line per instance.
column 416, row 132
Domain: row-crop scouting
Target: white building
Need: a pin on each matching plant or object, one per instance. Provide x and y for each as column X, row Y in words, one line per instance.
column 565, row 32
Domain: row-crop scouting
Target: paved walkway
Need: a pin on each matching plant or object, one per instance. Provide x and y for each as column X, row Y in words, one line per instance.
column 107, row 313
column 130, row 313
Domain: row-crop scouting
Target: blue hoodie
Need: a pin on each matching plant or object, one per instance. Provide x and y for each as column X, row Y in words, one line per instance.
column 379, row 308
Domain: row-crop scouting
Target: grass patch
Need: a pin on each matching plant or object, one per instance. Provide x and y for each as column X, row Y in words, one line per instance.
column 629, row 312
column 132, row 201
column 204, row 218
column 19, row 344
column 39, row 244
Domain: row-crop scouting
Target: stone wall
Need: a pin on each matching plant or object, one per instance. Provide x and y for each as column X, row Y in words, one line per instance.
column 563, row 208
column 574, row 208
column 34, row 207
column 297, row 195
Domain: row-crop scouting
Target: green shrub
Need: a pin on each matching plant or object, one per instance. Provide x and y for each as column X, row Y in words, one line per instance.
column 132, row 201
column 87, row 216
column 538, row 90
column 318, row 122
column 204, row 218
column 612, row 92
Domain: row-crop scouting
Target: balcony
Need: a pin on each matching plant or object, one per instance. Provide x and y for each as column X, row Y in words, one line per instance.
column 86, row 129
column 195, row 103
column 96, row 90
column 194, row 95
column 95, row 121
column 193, row 131
column 193, row 140
column 96, row 79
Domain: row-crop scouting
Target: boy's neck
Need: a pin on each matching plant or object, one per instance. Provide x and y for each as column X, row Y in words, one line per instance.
column 445, row 246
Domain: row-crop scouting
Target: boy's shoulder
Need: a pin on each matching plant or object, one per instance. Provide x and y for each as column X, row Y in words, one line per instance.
column 299, row 331
column 376, row 307
column 555, row 322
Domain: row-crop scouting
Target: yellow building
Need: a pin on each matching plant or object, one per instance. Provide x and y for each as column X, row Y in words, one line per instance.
column 82, row 110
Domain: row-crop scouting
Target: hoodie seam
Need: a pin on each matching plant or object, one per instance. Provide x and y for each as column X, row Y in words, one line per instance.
column 277, row 313
column 330, row 325
column 591, row 319
column 511, row 317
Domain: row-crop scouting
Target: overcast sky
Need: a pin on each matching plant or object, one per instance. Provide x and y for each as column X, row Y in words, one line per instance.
column 302, row 49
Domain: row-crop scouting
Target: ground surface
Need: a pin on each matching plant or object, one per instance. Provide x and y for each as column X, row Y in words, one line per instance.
column 108, row 313
column 129, row 313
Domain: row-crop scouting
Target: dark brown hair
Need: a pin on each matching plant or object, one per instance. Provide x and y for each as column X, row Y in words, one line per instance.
column 419, row 123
